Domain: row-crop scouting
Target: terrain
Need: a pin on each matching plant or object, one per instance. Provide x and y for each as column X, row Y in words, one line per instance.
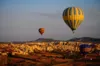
column 49, row 52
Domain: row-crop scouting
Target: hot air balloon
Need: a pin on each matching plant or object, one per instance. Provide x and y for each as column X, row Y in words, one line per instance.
column 73, row 17
column 41, row 30
column 85, row 48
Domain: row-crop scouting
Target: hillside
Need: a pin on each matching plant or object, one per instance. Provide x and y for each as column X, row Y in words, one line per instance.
column 86, row 39
column 46, row 40
column 81, row 39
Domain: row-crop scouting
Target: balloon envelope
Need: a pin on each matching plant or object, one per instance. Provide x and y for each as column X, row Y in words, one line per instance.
column 73, row 17
column 85, row 48
column 41, row 30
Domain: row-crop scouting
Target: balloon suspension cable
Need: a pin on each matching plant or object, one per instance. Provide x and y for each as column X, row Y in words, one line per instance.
column 73, row 31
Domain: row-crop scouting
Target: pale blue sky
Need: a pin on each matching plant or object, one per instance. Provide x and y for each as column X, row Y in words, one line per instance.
column 20, row 19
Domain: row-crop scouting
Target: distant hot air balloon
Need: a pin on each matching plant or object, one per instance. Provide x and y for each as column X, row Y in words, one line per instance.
column 85, row 48
column 41, row 30
column 73, row 17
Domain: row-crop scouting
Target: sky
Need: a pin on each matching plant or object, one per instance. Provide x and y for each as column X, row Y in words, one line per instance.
column 21, row 19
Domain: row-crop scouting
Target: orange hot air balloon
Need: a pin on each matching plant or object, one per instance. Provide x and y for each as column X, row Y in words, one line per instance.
column 41, row 30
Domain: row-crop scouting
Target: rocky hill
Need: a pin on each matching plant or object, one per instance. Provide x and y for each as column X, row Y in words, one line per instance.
column 46, row 40
column 86, row 39
column 81, row 39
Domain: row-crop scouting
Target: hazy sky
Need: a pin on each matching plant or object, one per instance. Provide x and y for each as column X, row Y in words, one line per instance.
column 21, row 19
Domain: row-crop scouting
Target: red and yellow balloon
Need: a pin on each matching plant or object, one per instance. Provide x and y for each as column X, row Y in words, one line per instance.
column 41, row 30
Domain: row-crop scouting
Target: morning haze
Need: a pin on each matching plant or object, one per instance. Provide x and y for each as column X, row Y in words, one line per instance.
column 21, row 19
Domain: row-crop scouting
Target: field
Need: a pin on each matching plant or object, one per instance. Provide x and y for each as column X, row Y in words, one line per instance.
column 50, row 59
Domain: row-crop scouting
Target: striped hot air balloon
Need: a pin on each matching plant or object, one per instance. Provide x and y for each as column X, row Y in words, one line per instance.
column 73, row 17
column 41, row 30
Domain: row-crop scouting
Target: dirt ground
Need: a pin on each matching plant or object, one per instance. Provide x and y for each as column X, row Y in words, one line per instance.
column 48, row 59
